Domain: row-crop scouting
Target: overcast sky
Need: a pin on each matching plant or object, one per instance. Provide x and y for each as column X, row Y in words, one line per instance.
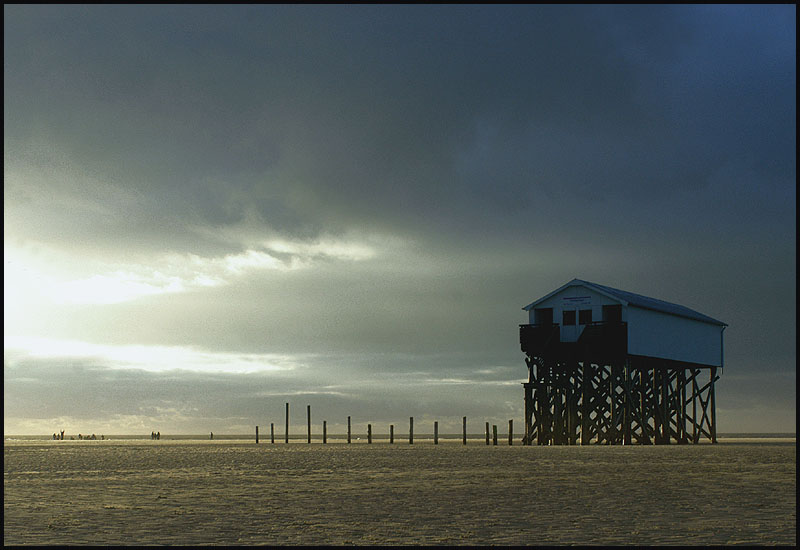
column 212, row 211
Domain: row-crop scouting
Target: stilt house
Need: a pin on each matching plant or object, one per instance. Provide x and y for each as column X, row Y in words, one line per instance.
column 611, row 366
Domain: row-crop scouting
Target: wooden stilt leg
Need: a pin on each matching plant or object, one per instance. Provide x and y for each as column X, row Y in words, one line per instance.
column 627, row 397
column 585, row 382
column 713, row 406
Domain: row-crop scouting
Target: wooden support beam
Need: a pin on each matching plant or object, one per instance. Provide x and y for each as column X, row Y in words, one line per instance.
column 665, row 409
column 695, row 437
column 682, row 409
column 585, row 384
column 626, row 406
column 568, row 413
column 612, row 407
column 528, row 388
column 639, row 400
column 713, row 399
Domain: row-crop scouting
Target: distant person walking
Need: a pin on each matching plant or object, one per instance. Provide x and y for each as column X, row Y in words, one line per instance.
column 212, row 435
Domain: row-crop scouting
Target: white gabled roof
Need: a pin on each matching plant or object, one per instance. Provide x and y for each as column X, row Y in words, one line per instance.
column 636, row 300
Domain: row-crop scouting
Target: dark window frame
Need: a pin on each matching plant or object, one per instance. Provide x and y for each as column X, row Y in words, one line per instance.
column 543, row 316
column 612, row 313
column 568, row 318
column 585, row 317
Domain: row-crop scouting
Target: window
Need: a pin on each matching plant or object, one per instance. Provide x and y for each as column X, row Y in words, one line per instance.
column 569, row 318
column 585, row 317
column 612, row 314
column 543, row 316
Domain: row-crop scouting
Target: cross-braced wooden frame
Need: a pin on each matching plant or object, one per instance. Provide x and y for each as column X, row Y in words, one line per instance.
column 631, row 400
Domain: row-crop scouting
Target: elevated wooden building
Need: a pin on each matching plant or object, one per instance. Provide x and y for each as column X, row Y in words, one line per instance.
column 613, row 367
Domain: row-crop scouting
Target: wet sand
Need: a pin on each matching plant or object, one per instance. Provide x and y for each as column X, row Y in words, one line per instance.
column 128, row 492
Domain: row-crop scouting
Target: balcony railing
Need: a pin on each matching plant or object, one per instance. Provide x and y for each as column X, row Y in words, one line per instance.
column 539, row 339
column 599, row 340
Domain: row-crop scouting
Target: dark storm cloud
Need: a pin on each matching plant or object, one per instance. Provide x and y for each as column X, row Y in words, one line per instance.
column 394, row 117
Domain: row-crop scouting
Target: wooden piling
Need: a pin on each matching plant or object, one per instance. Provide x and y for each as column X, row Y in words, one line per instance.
column 411, row 431
column 494, row 434
column 585, row 385
column 628, row 406
column 348, row 429
column 464, row 430
column 487, row 433
column 435, row 433
column 666, row 413
column 391, row 434
column 272, row 432
column 510, row 432
column 682, row 386
column 694, row 407
column 286, row 433
column 256, row 435
column 308, row 410
column 369, row 433
column 712, row 398
column 324, row 431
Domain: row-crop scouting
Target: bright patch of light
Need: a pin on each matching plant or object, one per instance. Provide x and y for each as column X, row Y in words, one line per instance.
column 29, row 282
column 149, row 358
column 21, row 289
column 325, row 248
column 114, row 288
column 250, row 260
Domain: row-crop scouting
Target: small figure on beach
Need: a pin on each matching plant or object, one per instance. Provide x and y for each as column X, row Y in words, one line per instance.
column 54, row 437
column 158, row 435
column 212, row 435
column 62, row 435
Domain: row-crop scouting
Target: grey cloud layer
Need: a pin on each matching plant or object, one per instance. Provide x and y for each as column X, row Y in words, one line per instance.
column 394, row 118
column 507, row 148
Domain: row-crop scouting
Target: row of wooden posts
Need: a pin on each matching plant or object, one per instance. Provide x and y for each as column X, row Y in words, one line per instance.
column 391, row 431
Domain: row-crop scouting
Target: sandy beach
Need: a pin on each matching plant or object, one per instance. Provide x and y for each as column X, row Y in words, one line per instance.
column 125, row 492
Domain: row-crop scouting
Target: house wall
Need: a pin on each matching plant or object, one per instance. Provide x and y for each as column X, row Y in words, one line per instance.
column 656, row 334
column 575, row 298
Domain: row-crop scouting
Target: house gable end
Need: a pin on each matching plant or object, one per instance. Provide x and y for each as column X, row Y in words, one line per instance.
column 575, row 282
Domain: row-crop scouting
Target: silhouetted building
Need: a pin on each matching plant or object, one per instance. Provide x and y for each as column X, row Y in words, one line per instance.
column 611, row 366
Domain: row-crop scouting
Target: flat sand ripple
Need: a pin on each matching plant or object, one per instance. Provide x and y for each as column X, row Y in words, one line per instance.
column 186, row 492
